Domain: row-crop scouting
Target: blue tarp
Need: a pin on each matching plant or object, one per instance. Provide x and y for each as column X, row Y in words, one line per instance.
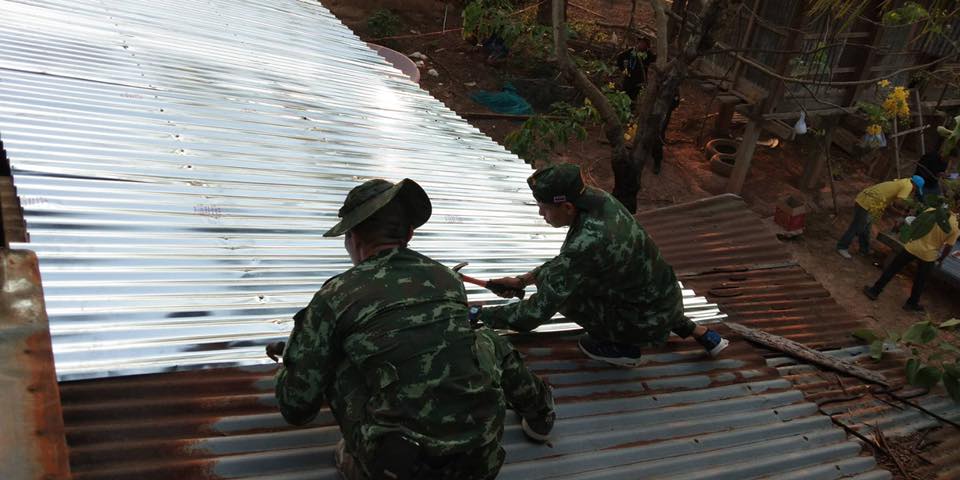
column 505, row 101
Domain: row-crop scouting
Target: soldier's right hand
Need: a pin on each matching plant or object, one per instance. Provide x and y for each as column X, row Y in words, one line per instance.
column 511, row 284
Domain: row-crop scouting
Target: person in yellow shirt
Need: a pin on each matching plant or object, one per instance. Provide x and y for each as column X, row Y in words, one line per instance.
column 870, row 205
column 927, row 250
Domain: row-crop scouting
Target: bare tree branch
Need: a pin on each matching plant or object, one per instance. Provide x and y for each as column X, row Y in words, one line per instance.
column 787, row 79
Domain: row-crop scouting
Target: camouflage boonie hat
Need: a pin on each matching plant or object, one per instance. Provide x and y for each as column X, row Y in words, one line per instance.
column 365, row 199
column 562, row 183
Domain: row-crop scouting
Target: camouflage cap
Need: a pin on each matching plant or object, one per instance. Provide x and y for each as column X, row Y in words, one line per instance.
column 365, row 199
column 561, row 183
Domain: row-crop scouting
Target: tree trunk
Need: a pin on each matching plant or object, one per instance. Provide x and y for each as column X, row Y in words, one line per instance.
column 545, row 13
column 654, row 108
column 612, row 128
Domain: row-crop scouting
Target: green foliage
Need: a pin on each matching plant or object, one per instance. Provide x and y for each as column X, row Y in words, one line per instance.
column 910, row 12
column 620, row 102
column 875, row 114
column 384, row 23
column 541, row 135
column 953, row 322
column 920, row 333
column 876, row 349
column 594, row 67
column 865, row 334
column 485, row 18
column 924, row 223
column 922, row 370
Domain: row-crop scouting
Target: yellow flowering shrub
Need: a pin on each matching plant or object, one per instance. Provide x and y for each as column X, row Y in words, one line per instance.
column 895, row 105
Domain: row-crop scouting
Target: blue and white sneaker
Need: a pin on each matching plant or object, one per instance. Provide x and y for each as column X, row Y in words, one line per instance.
column 620, row 354
column 713, row 343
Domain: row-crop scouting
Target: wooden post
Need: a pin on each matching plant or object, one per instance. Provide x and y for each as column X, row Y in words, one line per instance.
column 728, row 104
column 813, row 170
column 896, row 147
column 923, row 143
column 744, row 41
column 828, row 142
column 744, row 156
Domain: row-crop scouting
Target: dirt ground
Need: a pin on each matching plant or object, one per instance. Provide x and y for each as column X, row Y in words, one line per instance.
column 686, row 175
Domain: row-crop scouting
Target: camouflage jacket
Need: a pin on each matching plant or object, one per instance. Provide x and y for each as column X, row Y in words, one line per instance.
column 400, row 318
column 607, row 262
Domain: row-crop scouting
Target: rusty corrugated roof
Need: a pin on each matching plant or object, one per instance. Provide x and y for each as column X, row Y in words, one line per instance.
column 679, row 416
column 31, row 425
column 762, row 287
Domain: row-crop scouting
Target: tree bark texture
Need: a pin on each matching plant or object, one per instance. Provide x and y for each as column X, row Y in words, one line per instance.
column 612, row 128
column 545, row 13
column 654, row 107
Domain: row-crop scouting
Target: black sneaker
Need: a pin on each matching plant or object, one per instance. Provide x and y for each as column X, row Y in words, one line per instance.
column 620, row 354
column 870, row 293
column 538, row 429
column 914, row 307
column 713, row 343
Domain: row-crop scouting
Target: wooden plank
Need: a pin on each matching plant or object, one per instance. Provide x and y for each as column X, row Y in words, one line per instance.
column 803, row 352
column 744, row 155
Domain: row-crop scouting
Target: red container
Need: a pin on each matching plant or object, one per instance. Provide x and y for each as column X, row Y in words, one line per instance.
column 790, row 214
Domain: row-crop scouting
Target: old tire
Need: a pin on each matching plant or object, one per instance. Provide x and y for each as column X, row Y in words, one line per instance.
column 722, row 164
column 723, row 146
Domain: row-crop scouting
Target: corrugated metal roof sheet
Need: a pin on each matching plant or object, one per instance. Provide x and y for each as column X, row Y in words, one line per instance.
column 679, row 416
column 763, row 288
column 177, row 162
column 216, row 103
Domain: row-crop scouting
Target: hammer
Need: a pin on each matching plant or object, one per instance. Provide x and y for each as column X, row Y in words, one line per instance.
column 493, row 287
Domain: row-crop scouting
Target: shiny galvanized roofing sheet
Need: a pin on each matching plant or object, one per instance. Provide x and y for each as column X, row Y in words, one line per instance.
column 177, row 163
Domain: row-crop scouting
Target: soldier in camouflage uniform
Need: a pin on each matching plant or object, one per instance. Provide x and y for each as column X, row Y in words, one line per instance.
column 417, row 392
column 609, row 276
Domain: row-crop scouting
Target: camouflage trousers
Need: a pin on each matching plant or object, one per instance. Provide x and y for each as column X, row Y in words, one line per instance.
column 522, row 390
column 624, row 323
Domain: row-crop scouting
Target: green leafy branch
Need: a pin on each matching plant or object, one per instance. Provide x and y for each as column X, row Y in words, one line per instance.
column 541, row 135
column 483, row 19
column 922, row 369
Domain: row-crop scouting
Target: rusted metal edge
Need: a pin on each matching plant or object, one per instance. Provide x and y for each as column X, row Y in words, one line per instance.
column 32, row 441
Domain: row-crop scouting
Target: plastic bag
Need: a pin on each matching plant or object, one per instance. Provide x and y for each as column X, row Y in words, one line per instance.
column 875, row 141
column 801, row 126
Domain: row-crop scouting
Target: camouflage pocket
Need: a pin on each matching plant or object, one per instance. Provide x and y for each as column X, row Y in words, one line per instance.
column 384, row 376
column 485, row 354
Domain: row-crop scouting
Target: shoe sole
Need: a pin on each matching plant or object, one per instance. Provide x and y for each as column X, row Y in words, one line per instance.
column 715, row 351
column 620, row 361
column 847, row 256
column 532, row 435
